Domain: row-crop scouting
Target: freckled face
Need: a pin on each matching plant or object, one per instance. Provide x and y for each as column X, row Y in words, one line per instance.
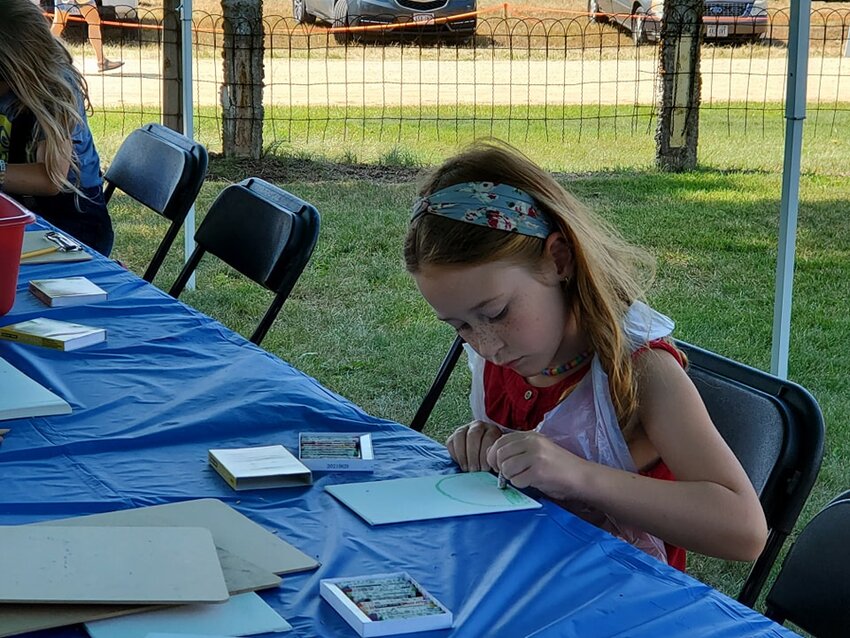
column 509, row 314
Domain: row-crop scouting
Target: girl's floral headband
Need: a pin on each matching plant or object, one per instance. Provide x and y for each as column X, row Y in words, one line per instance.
column 498, row 206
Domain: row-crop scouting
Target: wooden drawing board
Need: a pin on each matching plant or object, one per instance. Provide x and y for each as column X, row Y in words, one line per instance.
column 34, row 240
column 428, row 497
column 239, row 575
column 231, row 531
column 147, row 565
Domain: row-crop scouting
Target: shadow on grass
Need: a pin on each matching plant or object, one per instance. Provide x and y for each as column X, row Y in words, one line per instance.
column 308, row 168
column 290, row 168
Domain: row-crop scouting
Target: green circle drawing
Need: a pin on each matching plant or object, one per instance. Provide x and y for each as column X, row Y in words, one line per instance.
column 510, row 495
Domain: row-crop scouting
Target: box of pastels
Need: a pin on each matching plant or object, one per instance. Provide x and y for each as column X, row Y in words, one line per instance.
column 336, row 451
column 385, row 604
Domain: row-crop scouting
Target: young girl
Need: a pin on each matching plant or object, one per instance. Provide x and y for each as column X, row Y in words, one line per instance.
column 47, row 157
column 577, row 389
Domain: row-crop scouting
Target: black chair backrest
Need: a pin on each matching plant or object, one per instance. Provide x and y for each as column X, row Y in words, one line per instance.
column 774, row 427
column 162, row 169
column 261, row 231
column 812, row 589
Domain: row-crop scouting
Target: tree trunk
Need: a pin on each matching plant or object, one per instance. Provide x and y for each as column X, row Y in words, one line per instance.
column 242, row 90
column 678, row 122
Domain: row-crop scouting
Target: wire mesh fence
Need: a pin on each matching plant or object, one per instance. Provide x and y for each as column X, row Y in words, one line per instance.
column 509, row 72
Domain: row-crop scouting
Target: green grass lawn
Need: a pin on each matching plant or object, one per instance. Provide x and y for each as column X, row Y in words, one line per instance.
column 573, row 138
column 357, row 324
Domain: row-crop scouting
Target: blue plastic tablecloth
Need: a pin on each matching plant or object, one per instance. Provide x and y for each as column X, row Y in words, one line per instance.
column 170, row 383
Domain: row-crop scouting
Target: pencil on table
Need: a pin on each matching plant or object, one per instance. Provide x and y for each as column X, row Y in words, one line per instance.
column 40, row 251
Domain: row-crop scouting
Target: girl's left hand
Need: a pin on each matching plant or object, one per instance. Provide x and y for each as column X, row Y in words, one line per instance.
column 529, row 459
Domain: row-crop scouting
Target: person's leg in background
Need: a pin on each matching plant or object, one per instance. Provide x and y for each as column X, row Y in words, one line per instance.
column 60, row 17
column 89, row 12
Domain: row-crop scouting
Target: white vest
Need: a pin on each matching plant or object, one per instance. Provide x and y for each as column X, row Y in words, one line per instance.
column 585, row 422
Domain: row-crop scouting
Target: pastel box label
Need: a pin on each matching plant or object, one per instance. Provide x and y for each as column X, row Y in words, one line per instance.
column 336, row 452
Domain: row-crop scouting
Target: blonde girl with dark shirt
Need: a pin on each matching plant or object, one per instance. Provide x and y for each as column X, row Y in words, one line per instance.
column 48, row 160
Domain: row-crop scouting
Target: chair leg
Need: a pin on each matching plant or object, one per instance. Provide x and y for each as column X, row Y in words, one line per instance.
column 774, row 614
column 188, row 269
column 437, row 386
column 761, row 569
column 162, row 251
column 107, row 192
column 268, row 318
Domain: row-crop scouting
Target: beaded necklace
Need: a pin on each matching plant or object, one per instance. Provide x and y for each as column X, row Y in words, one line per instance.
column 569, row 365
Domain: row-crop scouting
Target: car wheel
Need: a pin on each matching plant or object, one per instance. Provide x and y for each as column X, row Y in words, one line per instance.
column 595, row 15
column 341, row 21
column 638, row 26
column 300, row 13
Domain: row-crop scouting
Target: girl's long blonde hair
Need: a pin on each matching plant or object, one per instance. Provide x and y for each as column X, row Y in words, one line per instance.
column 39, row 71
column 609, row 272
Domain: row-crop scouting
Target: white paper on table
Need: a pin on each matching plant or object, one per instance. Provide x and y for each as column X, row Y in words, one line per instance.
column 428, row 497
column 23, row 397
column 242, row 615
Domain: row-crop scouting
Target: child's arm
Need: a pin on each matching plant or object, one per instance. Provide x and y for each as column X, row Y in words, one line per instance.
column 469, row 444
column 32, row 179
column 710, row 508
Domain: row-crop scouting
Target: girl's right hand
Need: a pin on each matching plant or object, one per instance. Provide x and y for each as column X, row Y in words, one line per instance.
column 469, row 444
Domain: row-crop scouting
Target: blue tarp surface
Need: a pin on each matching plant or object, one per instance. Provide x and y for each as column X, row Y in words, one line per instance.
column 171, row 383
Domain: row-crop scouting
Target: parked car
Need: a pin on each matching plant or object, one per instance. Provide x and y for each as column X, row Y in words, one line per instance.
column 723, row 19
column 108, row 9
column 430, row 17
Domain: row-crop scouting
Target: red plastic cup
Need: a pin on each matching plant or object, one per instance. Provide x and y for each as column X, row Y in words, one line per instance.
column 13, row 219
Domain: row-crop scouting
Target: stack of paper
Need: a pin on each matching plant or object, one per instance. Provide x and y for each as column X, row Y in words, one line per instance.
column 67, row 291
column 263, row 467
column 52, row 333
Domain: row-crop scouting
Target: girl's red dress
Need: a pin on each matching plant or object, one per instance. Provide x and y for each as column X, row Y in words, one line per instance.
column 511, row 401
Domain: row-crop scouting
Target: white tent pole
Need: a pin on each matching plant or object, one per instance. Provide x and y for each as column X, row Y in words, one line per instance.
column 795, row 113
column 188, row 120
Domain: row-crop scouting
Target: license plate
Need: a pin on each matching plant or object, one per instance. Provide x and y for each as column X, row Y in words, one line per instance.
column 717, row 31
column 423, row 18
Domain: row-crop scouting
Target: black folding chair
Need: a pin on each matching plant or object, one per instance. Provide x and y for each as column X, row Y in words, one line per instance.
column 774, row 427
column 812, row 589
column 163, row 170
column 262, row 232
